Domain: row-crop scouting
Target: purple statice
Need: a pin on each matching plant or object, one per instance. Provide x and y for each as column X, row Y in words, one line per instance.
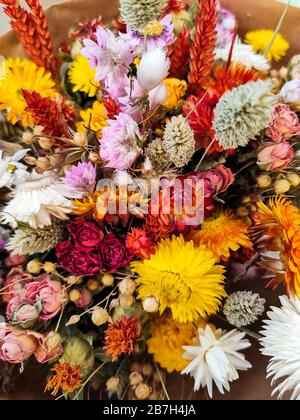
column 121, row 142
column 157, row 34
column 81, row 179
column 226, row 28
column 110, row 55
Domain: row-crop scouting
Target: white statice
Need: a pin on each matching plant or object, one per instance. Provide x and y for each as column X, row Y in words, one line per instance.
column 37, row 199
column 153, row 69
column 11, row 169
column 215, row 358
column 243, row 54
column 281, row 342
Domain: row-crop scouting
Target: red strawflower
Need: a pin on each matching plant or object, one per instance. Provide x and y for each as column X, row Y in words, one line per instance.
column 202, row 51
column 179, row 54
column 159, row 226
column 119, row 25
column 120, row 337
column 174, row 6
column 139, row 243
column 86, row 29
column 52, row 115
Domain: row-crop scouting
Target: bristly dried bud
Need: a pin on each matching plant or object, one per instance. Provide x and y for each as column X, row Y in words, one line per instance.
column 138, row 13
column 243, row 308
column 112, row 384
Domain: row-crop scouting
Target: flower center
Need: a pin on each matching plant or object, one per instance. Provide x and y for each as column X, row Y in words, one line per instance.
column 174, row 289
column 153, row 29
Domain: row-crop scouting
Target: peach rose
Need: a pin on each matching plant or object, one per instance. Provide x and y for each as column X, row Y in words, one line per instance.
column 274, row 157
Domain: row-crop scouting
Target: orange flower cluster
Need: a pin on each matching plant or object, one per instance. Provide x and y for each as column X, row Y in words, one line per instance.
column 66, row 378
column 120, row 337
column 203, row 48
column 32, row 30
column 279, row 222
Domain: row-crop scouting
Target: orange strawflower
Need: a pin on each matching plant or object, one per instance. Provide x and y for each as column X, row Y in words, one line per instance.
column 278, row 230
column 139, row 243
column 120, row 337
column 66, row 378
column 223, row 235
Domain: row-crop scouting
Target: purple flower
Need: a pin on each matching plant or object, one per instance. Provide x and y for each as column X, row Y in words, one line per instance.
column 291, row 91
column 81, row 178
column 120, row 142
column 225, row 28
column 110, row 55
column 157, row 34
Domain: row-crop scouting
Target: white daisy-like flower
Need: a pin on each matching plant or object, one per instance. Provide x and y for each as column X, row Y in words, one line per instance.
column 37, row 199
column 243, row 54
column 11, row 170
column 215, row 358
column 281, row 342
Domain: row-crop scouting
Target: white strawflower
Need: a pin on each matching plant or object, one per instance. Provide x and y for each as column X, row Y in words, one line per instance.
column 153, row 69
column 243, row 54
column 215, row 358
column 11, row 170
column 179, row 141
column 242, row 113
column 37, row 199
column 138, row 13
column 28, row 241
column 281, row 342
column 243, row 308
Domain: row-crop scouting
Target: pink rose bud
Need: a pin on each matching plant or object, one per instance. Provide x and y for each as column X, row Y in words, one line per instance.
column 85, row 299
column 275, row 156
column 220, row 178
column 14, row 284
column 14, row 260
column 284, row 124
column 23, row 314
column 49, row 348
column 291, row 91
column 17, row 345
column 51, row 294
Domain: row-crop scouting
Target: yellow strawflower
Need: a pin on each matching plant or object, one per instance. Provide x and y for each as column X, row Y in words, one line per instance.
column 166, row 341
column 182, row 277
column 260, row 40
column 95, row 118
column 223, row 234
column 176, row 91
column 22, row 74
column 82, row 76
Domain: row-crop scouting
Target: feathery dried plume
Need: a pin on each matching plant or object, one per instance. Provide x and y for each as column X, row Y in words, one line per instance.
column 203, row 49
column 138, row 13
column 32, row 30
column 48, row 113
column 28, row 241
column 243, row 113
column 179, row 54
column 179, row 141
column 158, row 155
column 243, row 308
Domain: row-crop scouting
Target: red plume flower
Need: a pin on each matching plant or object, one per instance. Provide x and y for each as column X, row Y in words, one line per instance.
column 52, row 115
column 203, row 48
column 139, row 243
column 179, row 54
column 174, row 6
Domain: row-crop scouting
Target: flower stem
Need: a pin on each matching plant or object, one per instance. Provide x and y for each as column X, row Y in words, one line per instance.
column 88, row 379
column 278, row 27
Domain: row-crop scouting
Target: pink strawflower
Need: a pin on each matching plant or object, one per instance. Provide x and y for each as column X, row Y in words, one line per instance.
column 110, row 55
column 274, row 157
column 120, row 142
column 284, row 124
column 81, row 178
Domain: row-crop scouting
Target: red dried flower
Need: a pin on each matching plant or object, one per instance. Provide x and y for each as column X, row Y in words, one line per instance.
column 159, row 226
column 53, row 116
column 120, row 337
column 32, row 31
column 119, row 25
column 179, row 54
column 174, row 6
column 139, row 243
column 111, row 107
column 203, row 49
column 86, row 29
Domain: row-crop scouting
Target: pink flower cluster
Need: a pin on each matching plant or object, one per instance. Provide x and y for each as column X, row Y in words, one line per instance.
column 284, row 125
column 18, row 345
column 89, row 251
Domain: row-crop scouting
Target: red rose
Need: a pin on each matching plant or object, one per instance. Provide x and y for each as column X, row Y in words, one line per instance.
column 219, row 177
column 77, row 261
column 114, row 254
column 86, row 235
